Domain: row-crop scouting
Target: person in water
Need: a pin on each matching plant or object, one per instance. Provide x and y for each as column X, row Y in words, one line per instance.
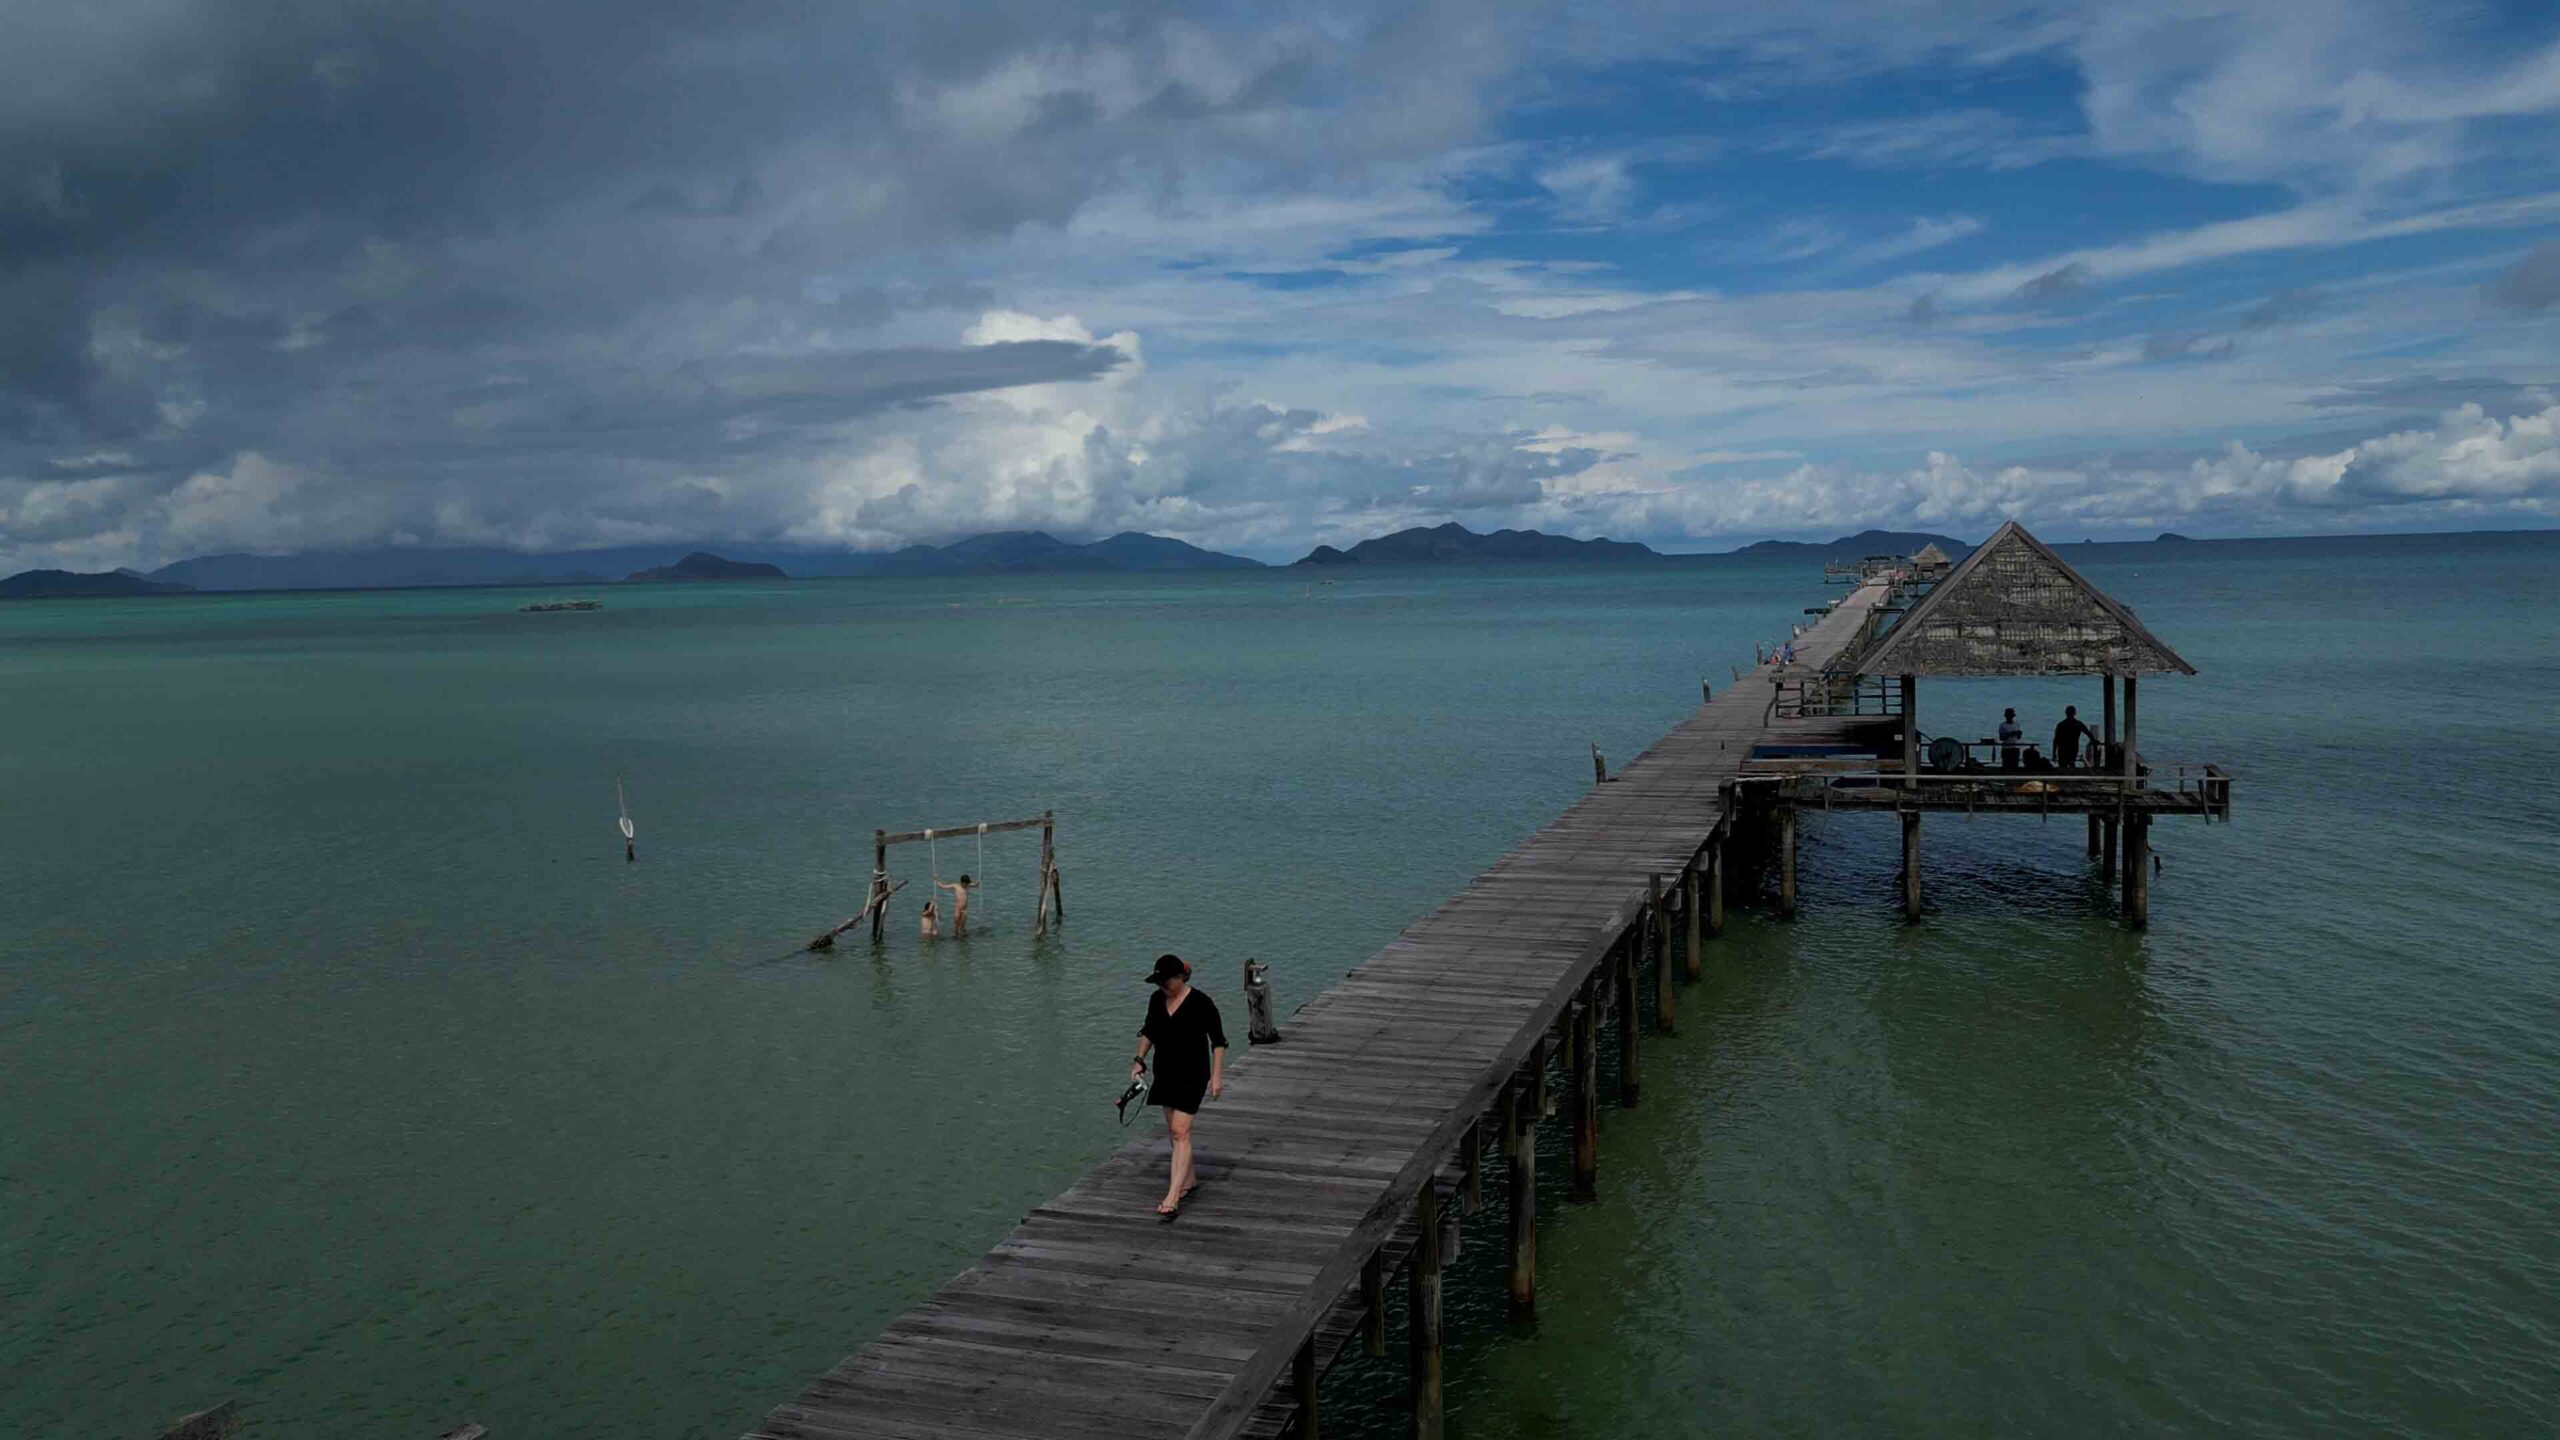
column 2068, row 737
column 959, row 905
column 928, row 928
column 1190, row 1046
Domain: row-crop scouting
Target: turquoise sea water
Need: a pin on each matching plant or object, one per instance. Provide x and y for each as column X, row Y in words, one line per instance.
column 346, row 1068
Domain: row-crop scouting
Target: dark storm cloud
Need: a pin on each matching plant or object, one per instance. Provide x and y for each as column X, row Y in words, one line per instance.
column 397, row 239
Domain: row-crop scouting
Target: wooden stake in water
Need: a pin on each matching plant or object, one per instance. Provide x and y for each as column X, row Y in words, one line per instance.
column 629, row 836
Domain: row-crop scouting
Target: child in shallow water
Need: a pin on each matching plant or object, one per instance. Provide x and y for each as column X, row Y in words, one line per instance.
column 928, row 927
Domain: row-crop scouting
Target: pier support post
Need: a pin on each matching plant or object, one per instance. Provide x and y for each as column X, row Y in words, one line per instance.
column 1471, row 1170
column 1911, row 867
column 1303, row 1379
column 1520, row 1248
column 1630, row 1027
column 1666, row 1007
column 1787, row 861
column 1422, row 1319
column 2137, row 870
column 1692, row 956
column 1373, row 1300
column 2108, row 829
column 1586, row 1096
column 2093, row 834
column 1715, row 882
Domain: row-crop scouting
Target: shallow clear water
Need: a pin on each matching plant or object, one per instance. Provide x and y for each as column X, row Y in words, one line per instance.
column 349, row 1070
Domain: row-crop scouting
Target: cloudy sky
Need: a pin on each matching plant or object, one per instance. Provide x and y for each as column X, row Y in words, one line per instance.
column 549, row 275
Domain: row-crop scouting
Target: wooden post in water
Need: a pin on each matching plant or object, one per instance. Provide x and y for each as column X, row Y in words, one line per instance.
column 1471, row 1169
column 1658, row 930
column 2137, row 870
column 1422, row 1318
column 1911, row 732
column 1586, row 1095
column 1911, row 867
column 879, row 877
column 1630, row 1026
column 1520, row 1247
column 2107, row 821
column 1693, row 953
column 1373, row 1300
column 1716, row 849
column 1787, row 861
column 1303, row 1379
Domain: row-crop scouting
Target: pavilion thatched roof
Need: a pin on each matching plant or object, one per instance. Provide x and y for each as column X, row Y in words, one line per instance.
column 2014, row 608
column 1930, row 554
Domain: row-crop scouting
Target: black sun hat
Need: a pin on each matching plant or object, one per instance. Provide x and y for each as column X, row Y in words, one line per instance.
column 1168, row 967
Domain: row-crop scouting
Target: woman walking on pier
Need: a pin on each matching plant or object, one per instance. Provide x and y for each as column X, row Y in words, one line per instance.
column 1190, row 1046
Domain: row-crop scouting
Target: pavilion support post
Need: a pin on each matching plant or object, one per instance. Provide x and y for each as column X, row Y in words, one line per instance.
column 1693, row 948
column 1911, row 732
column 2093, row 834
column 1911, row 867
column 1422, row 1319
column 1630, row 1028
column 1586, row 1096
column 879, row 877
column 1787, row 860
column 1373, row 1304
column 1304, row 1380
column 1520, row 1248
column 1716, row 851
column 1666, row 1005
column 2137, row 870
column 2107, row 826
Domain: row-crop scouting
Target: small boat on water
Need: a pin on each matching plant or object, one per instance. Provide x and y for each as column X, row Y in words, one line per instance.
column 547, row 606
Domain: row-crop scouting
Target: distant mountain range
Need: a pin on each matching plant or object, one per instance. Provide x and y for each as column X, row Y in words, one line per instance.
column 1861, row 545
column 74, row 585
column 1455, row 544
column 1003, row 553
column 703, row 565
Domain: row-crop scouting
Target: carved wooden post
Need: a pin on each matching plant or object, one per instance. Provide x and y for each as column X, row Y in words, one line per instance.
column 1257, row 1005
column 1520, row 1248
column 1586, row 1095
column 1422, row 1318
column 1599, row 767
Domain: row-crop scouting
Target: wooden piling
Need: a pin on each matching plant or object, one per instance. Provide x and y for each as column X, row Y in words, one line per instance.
column 1692, row 954
column 1305, row 1381
column 1658, row 932
column 2108, row 829
column 1471, row 1169
column 1787, row 860
column 1373, row 1302
column 1520, row 1237
column 1911, row 867
column 2137, row 870
column 1586, row 1096
column 1715, row 882
column 1630, row 1027
column 879, row 877
column 1422, row 1320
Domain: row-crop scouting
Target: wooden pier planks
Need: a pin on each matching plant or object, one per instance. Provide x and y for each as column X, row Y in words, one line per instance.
column 1094, row 1320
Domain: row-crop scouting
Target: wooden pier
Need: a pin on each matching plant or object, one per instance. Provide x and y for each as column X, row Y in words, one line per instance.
column 1353, row 1153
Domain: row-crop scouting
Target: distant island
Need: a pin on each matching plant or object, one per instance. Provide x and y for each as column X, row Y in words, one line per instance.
column 1009, row 552
column 1455, row 544
column 703, row 565
column 2172, row 537
column 74, row 585
column 1862, row 545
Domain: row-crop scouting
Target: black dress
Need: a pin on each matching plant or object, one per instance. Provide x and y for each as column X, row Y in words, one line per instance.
column 1182, row 1043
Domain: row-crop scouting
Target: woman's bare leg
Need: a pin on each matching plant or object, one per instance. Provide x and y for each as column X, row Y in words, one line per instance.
column 1180, row 1180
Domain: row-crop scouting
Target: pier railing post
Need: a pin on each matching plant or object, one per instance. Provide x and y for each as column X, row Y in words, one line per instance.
column 1692, row 951
column 1520, row 1247
column 1630, row 1025
column 1422, row 1318
column 1586, row 1096
column 1666, row 1006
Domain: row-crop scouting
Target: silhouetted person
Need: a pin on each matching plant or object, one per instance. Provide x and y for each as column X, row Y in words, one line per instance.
column 2010, row 735
column 2068, row 738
